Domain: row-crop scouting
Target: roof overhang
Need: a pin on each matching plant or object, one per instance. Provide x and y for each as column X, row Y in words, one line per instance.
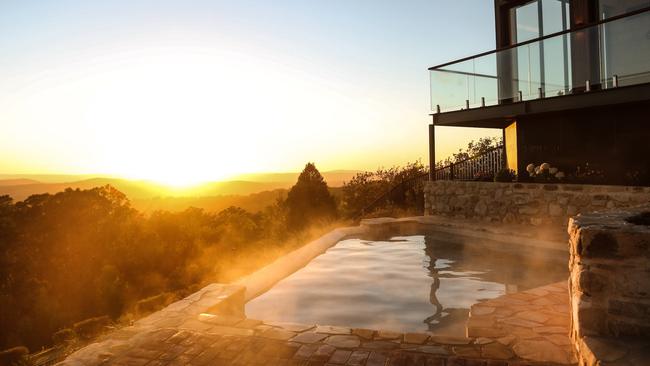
column 500, row 116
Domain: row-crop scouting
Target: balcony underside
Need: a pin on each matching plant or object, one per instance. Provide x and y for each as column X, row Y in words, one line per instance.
column 499, row 116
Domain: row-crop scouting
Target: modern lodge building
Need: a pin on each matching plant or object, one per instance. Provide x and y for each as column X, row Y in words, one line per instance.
column 568, row 84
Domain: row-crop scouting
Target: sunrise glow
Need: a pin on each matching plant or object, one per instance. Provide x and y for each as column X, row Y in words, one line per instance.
column 203, row 101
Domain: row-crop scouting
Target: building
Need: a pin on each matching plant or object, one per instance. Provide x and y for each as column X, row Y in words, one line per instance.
column 568, row 83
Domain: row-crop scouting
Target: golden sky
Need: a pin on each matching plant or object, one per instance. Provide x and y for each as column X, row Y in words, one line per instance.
column 187, row 97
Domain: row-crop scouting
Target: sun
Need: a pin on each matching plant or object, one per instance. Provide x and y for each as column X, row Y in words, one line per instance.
column 180, row 131
column 180, row 182
column 184, row 115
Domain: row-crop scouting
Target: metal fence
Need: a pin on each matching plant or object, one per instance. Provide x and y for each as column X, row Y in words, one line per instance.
column 410, row 191
column 480, row 167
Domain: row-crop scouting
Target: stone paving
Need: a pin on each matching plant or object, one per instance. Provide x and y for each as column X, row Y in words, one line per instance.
column 227, row 341
column 527, row 328
column 534, row 323
column 209, row 327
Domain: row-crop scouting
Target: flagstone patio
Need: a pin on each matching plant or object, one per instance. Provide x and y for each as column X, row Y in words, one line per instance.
column 534, row 323
column 526, row 328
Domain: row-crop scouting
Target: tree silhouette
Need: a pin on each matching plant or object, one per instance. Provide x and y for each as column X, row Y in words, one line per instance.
column 309, row 200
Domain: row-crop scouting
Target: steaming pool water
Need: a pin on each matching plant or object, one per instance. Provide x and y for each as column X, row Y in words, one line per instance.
column 410, row 283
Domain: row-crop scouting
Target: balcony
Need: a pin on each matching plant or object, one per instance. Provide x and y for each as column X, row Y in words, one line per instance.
column 612, row 54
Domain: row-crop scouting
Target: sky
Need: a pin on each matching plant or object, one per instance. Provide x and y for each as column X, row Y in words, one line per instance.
column 188, row 91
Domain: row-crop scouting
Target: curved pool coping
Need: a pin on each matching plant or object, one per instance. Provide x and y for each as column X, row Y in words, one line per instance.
column 214, row 306
column 263, row 279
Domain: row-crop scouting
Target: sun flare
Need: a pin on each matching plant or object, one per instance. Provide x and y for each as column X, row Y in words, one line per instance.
column 182, row 116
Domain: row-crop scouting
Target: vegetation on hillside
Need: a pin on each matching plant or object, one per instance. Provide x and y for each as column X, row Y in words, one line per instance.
column 87, row 253
column 80, row 254
column 362, row 191
column 254, row 202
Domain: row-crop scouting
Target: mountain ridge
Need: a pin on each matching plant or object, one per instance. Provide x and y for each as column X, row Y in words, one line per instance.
column 22, row 186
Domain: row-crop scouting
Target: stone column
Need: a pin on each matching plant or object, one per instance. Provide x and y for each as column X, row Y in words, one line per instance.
column 609, row 280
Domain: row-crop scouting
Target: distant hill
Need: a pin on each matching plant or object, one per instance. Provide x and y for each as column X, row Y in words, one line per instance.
column 21, row 191
column 254, row 202
column 49, row 178
column 17, row 182
column 20, row 187
column 334, row 178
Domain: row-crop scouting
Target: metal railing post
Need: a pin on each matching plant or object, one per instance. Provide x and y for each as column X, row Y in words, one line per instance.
column 432, row 152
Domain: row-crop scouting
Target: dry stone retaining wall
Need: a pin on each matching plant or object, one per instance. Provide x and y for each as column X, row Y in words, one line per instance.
column 610, row 274
column 609, row 282
column 526, row 203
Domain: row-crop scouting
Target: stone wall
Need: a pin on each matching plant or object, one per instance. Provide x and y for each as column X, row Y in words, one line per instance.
column 609, row 282
column 526, row 203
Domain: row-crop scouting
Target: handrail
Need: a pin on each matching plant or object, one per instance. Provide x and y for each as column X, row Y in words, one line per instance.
column 566, row 31
column 470, row 158
column 400, row 185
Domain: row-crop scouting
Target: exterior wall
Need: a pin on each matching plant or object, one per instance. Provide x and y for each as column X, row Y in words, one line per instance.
column 609, row 282
column 526, row 203
column 610, row 140
column 510, row 143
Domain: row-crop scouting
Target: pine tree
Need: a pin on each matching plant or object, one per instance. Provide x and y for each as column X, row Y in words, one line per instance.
column 309, row 200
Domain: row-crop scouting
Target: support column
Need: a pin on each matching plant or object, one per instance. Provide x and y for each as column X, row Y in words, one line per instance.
column 504, row 163
column 432, row 152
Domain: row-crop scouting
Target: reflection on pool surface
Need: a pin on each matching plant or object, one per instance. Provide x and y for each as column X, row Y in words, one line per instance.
column 406, row 283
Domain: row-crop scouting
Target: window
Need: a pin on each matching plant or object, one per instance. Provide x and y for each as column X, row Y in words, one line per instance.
column 538, row 18
column 525, row 22
column 541, row 66
column 611, row 8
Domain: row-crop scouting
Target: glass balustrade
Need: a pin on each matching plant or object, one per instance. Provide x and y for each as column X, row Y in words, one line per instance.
column 615, row 53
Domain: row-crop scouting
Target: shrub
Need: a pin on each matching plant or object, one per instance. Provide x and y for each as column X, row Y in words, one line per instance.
column 366, row 187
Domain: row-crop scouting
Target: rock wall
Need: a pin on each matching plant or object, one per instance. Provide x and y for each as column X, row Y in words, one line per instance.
column 609, row 281
column 526, row 203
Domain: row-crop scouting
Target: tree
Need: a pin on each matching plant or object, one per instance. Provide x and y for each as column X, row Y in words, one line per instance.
column 474, row 148
column 81, row 254
column 309, row 200
column 366, row 187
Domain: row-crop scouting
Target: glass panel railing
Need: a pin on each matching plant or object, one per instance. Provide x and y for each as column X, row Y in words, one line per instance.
column 625, row 50
column 615, row 53
column 465, row 83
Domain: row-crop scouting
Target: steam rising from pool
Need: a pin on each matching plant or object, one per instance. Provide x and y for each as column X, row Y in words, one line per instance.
column 407, row 283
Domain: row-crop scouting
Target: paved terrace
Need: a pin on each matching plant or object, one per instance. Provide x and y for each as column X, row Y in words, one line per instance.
column 527, row 328
column 210, row 328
